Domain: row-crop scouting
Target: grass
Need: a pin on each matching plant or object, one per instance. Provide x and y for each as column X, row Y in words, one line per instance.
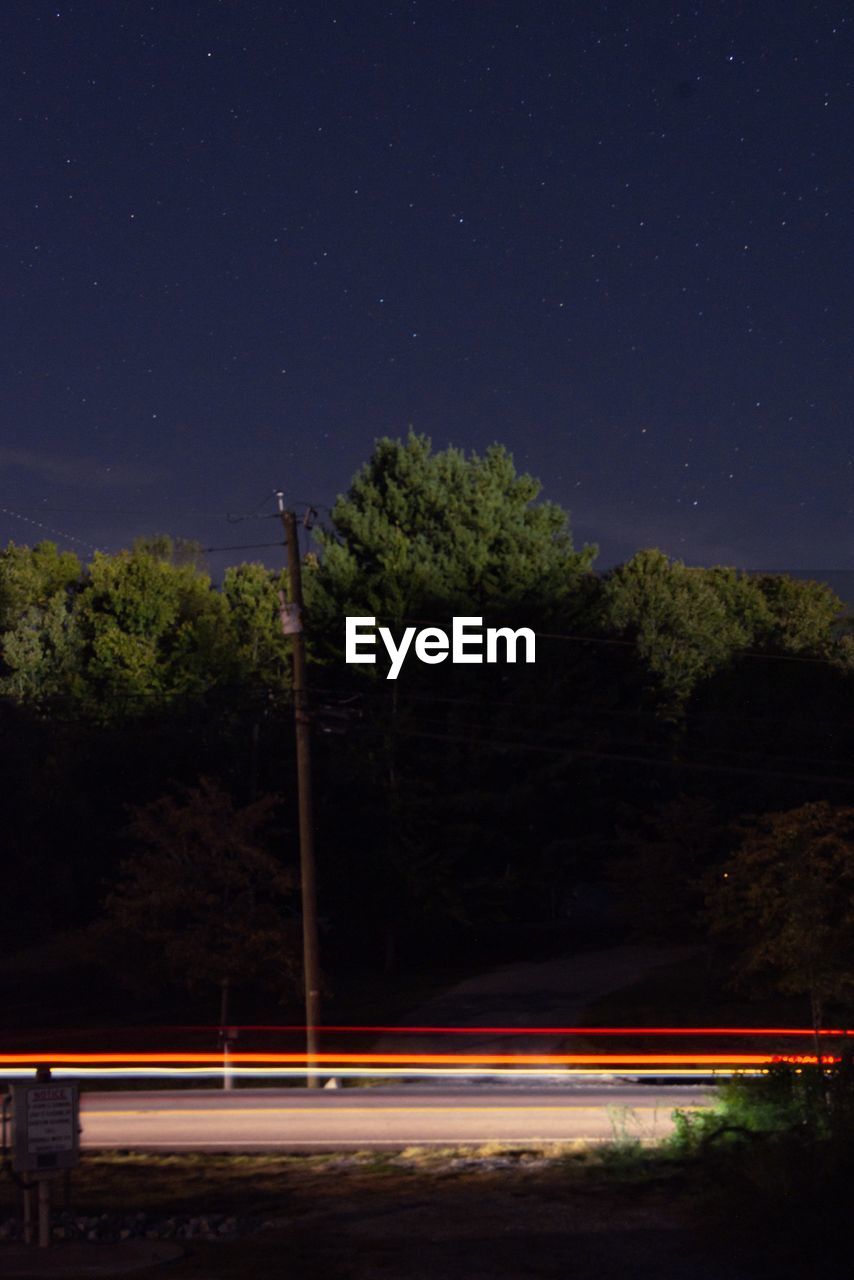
column 260, row 1184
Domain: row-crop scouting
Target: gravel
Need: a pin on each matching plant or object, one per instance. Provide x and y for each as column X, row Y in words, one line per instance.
column 111, row 1227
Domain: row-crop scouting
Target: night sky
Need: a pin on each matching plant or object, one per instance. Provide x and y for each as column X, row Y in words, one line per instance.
column 241, row 240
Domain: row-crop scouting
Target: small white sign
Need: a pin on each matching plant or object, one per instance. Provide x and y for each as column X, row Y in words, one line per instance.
column 45, row 1127
column 50, row 1119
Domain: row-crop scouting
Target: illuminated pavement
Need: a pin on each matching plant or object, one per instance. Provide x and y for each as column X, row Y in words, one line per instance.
column 318, row 1120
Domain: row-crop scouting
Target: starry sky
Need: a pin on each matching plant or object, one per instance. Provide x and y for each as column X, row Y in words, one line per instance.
column 242, row 239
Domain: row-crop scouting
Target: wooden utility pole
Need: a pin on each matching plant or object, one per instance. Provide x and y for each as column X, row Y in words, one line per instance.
column 292, row 626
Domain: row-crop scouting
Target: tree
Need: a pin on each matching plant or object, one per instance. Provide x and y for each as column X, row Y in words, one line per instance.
column 686, row 623
column 786, row 898
column 30, row 577
column 152, row 630
column 139, row 629
column 801, row 616
column 251, row 592
column 40, row 642
column 424, row 534
column 43, row 654
column 202, row 902
column 689, row 624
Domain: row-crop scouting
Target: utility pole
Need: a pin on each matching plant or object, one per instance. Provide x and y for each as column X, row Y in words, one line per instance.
column 292, row 626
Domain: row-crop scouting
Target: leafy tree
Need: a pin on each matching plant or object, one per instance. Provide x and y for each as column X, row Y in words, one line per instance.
column 203, row 903
column 40, row 642
column 175, row 551
column 786, row 898
column 139, row 629
column 43, row 654
column 151, row 629
column 30, row 577
column 262, row 652
column 690, row 623
column 686, row 623
column 801, row 616
column 423, row 534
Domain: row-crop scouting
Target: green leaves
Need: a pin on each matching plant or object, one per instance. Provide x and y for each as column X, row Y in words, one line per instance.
column 150, row 628
column 690, row 623
column 32, row 576
column 261, row 650
column 136, row 630
column 425, row 535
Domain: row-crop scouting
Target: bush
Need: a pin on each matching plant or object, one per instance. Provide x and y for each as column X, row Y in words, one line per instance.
column 776, row 1152
column 810, row 1101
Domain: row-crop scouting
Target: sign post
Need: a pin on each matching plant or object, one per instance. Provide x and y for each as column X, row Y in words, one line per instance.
column 45, row 1141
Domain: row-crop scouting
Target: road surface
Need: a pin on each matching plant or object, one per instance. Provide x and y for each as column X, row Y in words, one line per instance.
column 330, row 1120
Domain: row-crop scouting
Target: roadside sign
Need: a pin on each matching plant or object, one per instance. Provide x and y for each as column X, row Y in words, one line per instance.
column 45, row 1127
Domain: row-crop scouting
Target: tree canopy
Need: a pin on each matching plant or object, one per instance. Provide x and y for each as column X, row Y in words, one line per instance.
column 202, row 901
column 786, row 897
column 135, row 629
column 455, row 804
column 689, row 623
column 423, row 534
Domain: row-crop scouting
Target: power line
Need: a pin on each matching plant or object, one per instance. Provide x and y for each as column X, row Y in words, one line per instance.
column 60, row 533
column 624, row 758
column 464, row 737
column 632, row 745
column 245, row 546
column 375, row 692
column 122, row 511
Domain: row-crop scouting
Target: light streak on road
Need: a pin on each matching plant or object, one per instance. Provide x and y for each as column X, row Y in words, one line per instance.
column 273, row 1064
column 369, row 1061
column 330, row 1060
column 568, row 1075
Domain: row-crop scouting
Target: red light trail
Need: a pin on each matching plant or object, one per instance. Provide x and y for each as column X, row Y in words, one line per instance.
column 546, row 1031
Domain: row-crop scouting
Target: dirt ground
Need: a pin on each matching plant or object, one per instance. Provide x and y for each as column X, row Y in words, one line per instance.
column 483, row 1229
column 432, row 1216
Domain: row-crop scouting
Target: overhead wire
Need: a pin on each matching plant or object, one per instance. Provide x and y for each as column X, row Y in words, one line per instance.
column 515, row 704
column 244, row 546
column 625, row 758
column 473, row 735
column 469, row 739
column 59, row 533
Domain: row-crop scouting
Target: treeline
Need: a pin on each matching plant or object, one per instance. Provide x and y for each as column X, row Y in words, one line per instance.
column 460, row 810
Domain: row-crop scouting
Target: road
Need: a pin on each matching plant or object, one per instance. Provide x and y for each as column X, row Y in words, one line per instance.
column 330, row 1120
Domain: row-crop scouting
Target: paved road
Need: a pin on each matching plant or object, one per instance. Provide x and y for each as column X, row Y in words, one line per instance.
column 302, row 1119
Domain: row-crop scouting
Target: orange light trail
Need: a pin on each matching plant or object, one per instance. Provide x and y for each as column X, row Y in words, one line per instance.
column 407, row 1059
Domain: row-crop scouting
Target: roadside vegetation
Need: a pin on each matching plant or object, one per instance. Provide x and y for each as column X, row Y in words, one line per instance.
column 777, row 1145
